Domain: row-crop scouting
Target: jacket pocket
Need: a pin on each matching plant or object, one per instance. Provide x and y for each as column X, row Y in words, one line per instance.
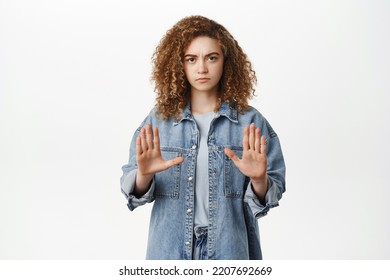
column 168, row 181
column 234, row 180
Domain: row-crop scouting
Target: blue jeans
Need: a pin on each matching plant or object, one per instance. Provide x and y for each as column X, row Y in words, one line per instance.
column 200, row 244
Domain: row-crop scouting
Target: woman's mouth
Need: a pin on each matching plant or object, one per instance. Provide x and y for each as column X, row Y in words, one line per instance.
column 202, row 80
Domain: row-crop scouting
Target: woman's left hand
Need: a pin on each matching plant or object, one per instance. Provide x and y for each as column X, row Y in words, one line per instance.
column 254, row 159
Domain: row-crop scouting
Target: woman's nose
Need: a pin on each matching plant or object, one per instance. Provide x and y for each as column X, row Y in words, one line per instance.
column 202, row 67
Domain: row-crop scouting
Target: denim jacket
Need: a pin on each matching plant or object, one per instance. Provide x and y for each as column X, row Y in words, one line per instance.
column 233, row 206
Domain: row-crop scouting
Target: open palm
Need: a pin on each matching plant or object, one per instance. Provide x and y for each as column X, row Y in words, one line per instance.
column 254, row 157
column 148, row 153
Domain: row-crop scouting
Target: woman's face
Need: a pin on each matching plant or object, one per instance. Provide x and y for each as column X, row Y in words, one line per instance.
column 203, row 64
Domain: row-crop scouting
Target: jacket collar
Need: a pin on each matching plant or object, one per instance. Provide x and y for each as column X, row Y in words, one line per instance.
column 226, row 110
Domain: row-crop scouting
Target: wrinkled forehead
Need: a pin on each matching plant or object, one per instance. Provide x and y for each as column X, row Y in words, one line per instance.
column 203, row 45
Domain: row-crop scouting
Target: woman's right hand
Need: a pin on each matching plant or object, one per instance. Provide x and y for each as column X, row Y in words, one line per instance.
column 149, row 158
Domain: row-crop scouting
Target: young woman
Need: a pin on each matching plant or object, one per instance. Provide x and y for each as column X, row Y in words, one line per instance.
column 211, row 163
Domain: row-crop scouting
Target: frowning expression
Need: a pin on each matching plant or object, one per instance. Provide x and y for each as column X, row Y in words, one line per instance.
column 203, row 64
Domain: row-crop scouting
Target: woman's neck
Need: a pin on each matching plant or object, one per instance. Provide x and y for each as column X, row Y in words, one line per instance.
column 203, row 102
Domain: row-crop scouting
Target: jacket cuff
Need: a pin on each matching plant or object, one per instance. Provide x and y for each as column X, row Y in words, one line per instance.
column 127, row 187
column 271, row 199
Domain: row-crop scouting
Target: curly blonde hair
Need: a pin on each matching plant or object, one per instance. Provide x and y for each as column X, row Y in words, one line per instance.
column 236, row 85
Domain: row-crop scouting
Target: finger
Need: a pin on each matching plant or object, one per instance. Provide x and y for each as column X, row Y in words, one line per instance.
column 263, row 147
column 138, row 148
column 149, row 136
column 144, row 146
column 156, row 139
column 257, row 141
column 174, row 161
column 245, row 139
column 252, row 136
column 232, row 156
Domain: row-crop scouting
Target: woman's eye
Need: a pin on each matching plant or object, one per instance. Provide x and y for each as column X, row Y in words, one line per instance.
column 213, row 58
column 190, row 60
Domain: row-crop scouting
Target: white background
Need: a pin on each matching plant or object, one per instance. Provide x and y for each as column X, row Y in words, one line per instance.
column 74, row 86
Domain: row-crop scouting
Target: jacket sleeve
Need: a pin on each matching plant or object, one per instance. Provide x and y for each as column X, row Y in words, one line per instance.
column 127, row 180
column 276, row 171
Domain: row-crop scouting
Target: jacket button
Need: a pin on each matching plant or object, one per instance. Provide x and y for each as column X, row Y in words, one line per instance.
column 188, row 243
column 189, row 210
column 189, row 178
column 193, row 147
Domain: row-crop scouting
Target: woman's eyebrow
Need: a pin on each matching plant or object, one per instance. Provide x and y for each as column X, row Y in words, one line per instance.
column 212, row 53
column 209, row 54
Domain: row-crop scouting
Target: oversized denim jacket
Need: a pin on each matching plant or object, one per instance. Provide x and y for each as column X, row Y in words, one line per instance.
column 233, row 207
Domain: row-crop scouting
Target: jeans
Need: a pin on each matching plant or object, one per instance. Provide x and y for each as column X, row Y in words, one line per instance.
column 200, row 244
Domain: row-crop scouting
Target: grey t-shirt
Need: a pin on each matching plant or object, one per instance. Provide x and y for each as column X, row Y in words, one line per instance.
column 202, row 173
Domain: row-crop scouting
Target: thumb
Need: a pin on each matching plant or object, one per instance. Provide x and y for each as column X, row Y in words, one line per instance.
column 231, row 155
column 174, row 161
